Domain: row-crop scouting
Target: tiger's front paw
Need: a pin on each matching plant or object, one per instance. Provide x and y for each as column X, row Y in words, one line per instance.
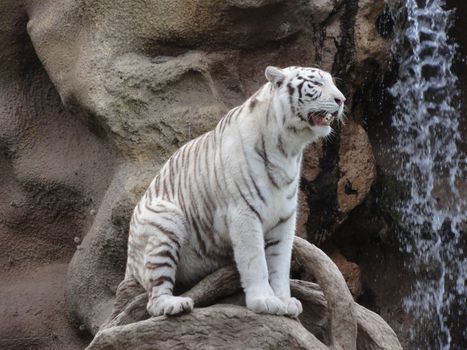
column 169, row 305
column 266, row 305
column 293, row 307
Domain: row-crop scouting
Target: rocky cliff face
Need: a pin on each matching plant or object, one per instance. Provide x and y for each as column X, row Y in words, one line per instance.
column 95, row 97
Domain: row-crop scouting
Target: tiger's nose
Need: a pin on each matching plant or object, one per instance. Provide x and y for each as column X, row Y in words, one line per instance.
column 339, row 101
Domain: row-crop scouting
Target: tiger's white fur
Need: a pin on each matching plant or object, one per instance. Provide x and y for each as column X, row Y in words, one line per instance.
column 232, row 193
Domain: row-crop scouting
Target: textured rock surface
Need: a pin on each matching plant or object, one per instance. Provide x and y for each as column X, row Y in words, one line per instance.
column 212, row 328
column 331, row 319
column 96, row 95
column 357, row 168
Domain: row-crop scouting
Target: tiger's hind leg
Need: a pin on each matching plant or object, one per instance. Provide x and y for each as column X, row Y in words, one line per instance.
column 166, row 224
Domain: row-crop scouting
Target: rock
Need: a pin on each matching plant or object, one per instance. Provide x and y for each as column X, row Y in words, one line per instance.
column 369, row 44
column 329, row 317
column 310, row 171
column 302, row 215
column 350, row 271
column 311, row 159
column 212, row 327
column 357, row 168
column 321, row 9
column 98, row 267
column 339, row 186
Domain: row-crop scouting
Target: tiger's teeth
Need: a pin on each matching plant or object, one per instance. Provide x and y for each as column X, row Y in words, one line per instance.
column 329, row 117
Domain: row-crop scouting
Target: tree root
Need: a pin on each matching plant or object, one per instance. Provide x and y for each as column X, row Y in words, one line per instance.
column 331, row 318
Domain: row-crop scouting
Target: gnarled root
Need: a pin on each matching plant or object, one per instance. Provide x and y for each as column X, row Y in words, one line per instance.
column 331, row 319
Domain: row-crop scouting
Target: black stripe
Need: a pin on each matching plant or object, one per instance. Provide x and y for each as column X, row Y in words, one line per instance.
column 165, row 192
column 260, row 195
column 252, row 104
column 227, row 119
column 156, row 185
column 184, row 154
column 229, row 116
column 264, row 155
column 169, row 234
column 222, row 124
column 207, row 228
column 271, row 243
column 155, row 211
column 293, row 194
column 221, row 164
column 201, row 183
column 280, row 146
column 300, row 87
column 291, row 90
column 216, row 177
column 280, row 222
column 153, row 266
column 161, row 280
column 238, row 111
column 247, row 184
column 248, row 203
column 171, row 174
column 268, row 114
column 198, row 236
column 191, row 217
column 160, row 245
column 207, row 153
column 292, row 180
column 138, row 209
column 167, row 254
column 136, row 219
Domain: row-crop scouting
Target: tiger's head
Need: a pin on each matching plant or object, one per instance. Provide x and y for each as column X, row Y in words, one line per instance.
column 308, row 97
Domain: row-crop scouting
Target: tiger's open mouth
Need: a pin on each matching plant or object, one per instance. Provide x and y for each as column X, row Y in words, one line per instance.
column 321, row 118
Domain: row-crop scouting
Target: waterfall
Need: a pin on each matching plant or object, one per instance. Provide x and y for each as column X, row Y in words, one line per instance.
column 432, row 170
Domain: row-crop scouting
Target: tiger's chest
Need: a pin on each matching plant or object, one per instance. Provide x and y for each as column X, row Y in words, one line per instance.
column 274, row 207
column 283, row 204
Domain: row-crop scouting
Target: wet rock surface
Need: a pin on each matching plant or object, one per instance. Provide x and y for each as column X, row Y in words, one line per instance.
column 96, row 96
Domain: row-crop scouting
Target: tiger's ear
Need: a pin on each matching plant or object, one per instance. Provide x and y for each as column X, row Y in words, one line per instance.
column 274, row 75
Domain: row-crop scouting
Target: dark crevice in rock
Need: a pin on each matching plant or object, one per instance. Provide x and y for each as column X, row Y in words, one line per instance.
column 385, row 23
column 321, row 195
column 346, row 46
column 322, row 192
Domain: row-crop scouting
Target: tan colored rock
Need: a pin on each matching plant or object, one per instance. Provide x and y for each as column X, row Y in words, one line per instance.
column 214, row 327
column 321, row 9
column 310, row 171
column 328, row 48
column 331, row 319
column 350, row 271
column 369, row 44
column 357, row 166
column 311, row 158
column 302, row 215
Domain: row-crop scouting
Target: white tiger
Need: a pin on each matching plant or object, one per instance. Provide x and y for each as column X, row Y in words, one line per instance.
column 232, row 193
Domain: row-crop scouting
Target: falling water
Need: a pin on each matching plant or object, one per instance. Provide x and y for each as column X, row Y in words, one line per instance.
column 432, row 169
